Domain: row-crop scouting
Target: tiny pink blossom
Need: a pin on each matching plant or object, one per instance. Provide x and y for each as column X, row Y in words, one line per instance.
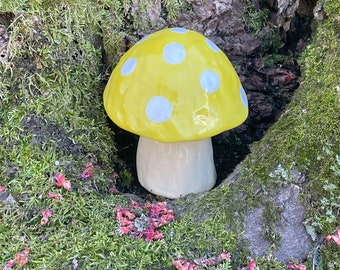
column 119, row 213
column 335, row 238
column 142, row 221
column 128, row 214
column 56, row 196
column 155, row 209
column 127, row 228
column 9, row 265
column 205, row 263
column 157, row 235
column 124, row 230
column 166, row 218
column 125, row 222
column 88, row 172
column 2, row 188
column 135, row 204
column 60, row 181
column 148, row 234
column 67, row 185
column 22, row 258
column 252, row 265
column 225, row 256
column 295, row 266
column 46, row 214
column 184, row 265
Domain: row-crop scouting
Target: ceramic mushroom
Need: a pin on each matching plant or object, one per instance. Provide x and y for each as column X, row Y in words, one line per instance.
column 176, row 89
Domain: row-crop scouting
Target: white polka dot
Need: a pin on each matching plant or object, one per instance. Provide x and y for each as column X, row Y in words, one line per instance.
column 212, row 45
column 174, row 53
column 158, row 109
column 243, row 97
column 179, row 30
column 209, row 81
column 129, row 66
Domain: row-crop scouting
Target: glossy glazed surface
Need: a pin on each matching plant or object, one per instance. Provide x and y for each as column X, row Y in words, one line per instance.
column 175, row 85
column 176, row 169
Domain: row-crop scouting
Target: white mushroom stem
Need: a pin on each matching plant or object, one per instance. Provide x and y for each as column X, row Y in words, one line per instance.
column 173, row 170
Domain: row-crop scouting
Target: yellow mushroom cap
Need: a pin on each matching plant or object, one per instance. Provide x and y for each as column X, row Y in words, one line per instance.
column 175, row 85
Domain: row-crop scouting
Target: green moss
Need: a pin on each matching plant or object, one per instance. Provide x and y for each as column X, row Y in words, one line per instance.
column 83, row 229
column 269, row 264
column 275, row 59
column 270, row 216
column 125, row 178
column 255, row 20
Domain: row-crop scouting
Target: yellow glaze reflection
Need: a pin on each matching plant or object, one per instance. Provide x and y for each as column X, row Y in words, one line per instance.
column 175, row 85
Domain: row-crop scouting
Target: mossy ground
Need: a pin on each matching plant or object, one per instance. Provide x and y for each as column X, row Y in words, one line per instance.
column 52, row 119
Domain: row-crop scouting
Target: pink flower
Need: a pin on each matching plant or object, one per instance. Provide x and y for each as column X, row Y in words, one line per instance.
column 61, row 181
column 295, row 266
column 335, row 238
column 147, row 234
column 128, row 214
column 125, row 230
column 142, row 221
column 46, row 215
column 135, row 204
column 2, row 188
column 252, row 265
column 166, row 218
column 56, row 196
column 9, row 265
column 151, row 234
column 88, row 172
column 128, row 228
column 22, row 257
column 184, row 265
column 125, row 222
column 119, row 213
column 225, row 256
column 157, row 209
column 201, row 262
column 67, row 185
column 157, row 235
